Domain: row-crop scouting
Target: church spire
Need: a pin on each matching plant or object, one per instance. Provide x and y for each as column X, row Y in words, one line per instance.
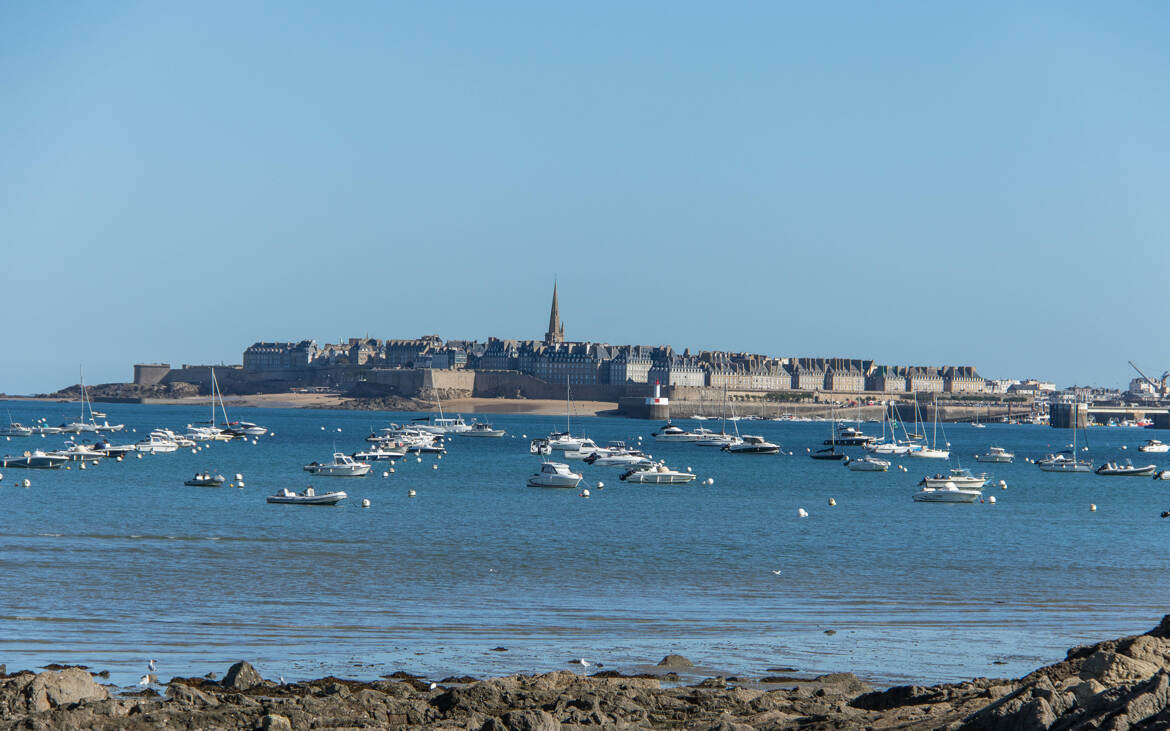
column 556, row 331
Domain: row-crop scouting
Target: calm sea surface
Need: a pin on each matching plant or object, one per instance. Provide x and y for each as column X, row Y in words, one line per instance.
column 119, row 563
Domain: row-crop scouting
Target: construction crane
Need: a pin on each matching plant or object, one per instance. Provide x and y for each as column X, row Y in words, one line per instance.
column 1159, row 386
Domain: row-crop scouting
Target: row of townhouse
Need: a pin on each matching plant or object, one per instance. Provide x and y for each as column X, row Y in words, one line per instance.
column 598, row 363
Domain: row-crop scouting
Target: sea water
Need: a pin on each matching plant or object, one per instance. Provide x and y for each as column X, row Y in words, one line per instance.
column 121, row 563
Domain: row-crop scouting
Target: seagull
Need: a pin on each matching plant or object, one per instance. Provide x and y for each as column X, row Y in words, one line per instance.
column 151, row 665
column 434, row 685
column 282, row 680
column 148, row 679
column 776, row 572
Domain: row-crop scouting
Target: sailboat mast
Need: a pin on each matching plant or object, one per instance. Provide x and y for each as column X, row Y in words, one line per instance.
column 568, row 431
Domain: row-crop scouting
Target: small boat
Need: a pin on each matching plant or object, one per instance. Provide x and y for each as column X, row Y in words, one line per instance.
column 587, row 447
column 308, row 497
column 827, row 454
column 752, row 445
column 849, row 436
column 1153, row 445
column 995, row 454
column 541, row 446
column 156, row 443
column 342, row 466
column 36, row 460
column 481, row 429
column 719, row 439
column 672, row 433
column 110, row 450
column 893, row 448
column 380, row 453
column 554, row 474
column 443, row 424
column 244, row 429
column 868, row 463
column 16, row 429
column 1063, row 462
column 204, row 479
column 79, row 452
column 930, row 453
column 656, row 475
column 958, row 476
column 1129, row 469
column 44, row 429
column 625, row 459
column 948, row 493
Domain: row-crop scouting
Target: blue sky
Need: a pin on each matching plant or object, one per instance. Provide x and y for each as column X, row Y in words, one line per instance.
column 925, row 183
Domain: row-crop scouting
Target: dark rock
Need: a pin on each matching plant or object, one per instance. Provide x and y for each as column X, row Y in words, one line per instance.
column 62, row 688
column 274, row 722
column 464, row 679
column 530, row 721
column 675, row 661
column 180, row 693
column 830, row 631
column 499, row 649
column 896, row 697
column 781, row 670
column 242, row 676
column 716, row 682
column 402, row 675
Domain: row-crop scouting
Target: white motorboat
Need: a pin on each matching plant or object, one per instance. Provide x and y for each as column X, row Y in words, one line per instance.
column 891, row 448
column 554, row 474
column 425, row 446
column 566, row 442
column 540, row 446
column 80, row 452
column 1154, row 446
column 16, row 429
column 308, row 497
column 672, row 433
column 1063, row 462
column 111, row 450
column 156, row 443
column 751, row 444
column 178, row 439
column 948, row 493
column 658, row 474
column 481, row 429
column 625, row 459
column 958, row 476
column 342, row 466
column 868, row 463
column 45, row 429
column 205, row 479
column 36, row 459
column 587, row 449
column 245, row 429
column 849, row 436
column 995, row 454
column 380, row 453
column 1129, row 469
column 443, row 425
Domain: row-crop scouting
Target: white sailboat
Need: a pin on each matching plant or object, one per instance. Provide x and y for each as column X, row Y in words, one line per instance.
column 1065, row 461
column 933, row 452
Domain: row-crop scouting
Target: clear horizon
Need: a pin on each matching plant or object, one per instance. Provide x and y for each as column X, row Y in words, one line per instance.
column 917, row 184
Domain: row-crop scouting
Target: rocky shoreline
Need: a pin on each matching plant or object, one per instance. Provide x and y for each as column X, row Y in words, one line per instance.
column 1122, row 683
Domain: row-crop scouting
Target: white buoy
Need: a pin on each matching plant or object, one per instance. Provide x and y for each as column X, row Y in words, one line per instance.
column 254, row 442
column 1092, row 506
column 193, row 450
column 991, row 499
column 710, row 480
column 412, row 493
column 338, row 428
column 523, row 436
column 1002, row 485
column 439, row 456
column 434, row 467
column 118, row 458
column 385, row 474
column 239, row 477
column 1, row 475
column 27, row 483
column 689, row 469
column 140, row 455
column 418, row 459
column 584, row 493
column 322, row 428
column 365, row 503
column 600, row 485
column 240, row 483
column 391, row 469
column 832, row 502
column 801, row 512
column 82, row 464
column 391, row 463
